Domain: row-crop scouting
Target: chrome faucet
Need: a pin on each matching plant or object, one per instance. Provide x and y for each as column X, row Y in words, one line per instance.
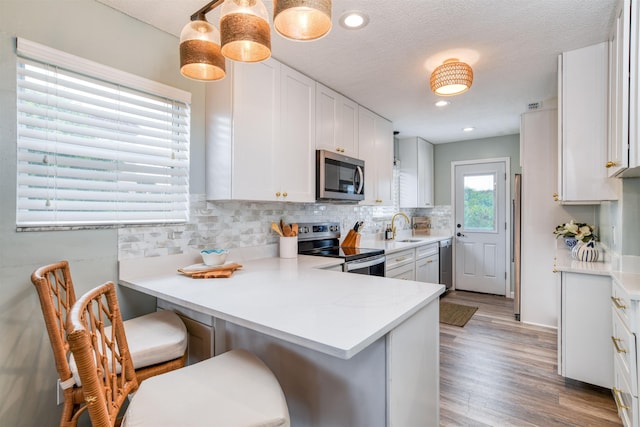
column 393, row 220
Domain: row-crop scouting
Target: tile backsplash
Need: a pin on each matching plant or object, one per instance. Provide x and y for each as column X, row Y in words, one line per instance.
column 235, row 224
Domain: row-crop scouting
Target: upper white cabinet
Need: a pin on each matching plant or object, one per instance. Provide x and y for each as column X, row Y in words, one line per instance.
column 582, row 139
column 336, row 122
column 618, row 141
column 376, row 149
column 260, row 134
column 416, row 172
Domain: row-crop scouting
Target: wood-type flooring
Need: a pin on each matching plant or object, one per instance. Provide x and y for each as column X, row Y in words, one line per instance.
column 495, row 371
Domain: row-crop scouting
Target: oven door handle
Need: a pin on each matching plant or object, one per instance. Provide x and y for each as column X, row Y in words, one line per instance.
column 367, row 262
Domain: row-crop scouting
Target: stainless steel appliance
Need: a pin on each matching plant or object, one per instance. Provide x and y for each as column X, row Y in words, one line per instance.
column 446, row 264
column 517, row 230
column 339, row 177
column 323, row 239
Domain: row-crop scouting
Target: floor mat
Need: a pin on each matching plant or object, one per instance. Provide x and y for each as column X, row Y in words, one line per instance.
column 455, row 314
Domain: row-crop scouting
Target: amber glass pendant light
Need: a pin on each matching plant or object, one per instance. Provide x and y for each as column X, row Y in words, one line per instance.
column 244, row 25
column 302, row 19
column 200, row 56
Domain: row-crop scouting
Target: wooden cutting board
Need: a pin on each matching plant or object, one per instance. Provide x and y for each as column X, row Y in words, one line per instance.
column 221, row 271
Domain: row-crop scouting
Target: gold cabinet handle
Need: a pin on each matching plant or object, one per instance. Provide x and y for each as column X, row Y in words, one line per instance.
column 556, row 197
column 618, row 398
column 610, row 164
column 401, row 259
column 378, row 201
column 429, row 261
column 284, row 194
column 278, row 194
column 615, row 344
column 554, row 270
column 340, row 150
column 617, row 302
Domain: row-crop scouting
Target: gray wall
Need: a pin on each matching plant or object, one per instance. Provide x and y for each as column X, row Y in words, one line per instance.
column 93, row 31
column 487, row 148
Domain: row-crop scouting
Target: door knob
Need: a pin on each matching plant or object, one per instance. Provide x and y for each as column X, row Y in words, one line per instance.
column 458, row 225
column 459, row 234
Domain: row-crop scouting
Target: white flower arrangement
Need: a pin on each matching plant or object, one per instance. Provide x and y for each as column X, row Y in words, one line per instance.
column 580, row 230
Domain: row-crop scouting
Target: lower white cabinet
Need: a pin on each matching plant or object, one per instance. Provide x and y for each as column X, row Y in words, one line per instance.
column 624, row 347
column 585, row 329
column 401, row 265
column 428, row 263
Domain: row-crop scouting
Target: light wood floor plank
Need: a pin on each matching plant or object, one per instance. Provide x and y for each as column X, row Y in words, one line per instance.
column 495, row 371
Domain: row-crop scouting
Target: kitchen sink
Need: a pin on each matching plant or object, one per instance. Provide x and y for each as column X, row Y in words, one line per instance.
column 409, row 241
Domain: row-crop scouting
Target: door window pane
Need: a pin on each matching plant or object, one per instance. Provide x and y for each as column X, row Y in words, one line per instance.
column 480, row 202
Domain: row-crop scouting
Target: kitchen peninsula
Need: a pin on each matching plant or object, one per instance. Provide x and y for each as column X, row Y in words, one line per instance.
column 347, row 349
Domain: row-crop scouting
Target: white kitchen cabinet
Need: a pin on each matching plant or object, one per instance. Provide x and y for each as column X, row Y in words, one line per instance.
column 416, row 172
column 336, row 122
column 260, row 134
column 582, row 139
column 619, row 56
column 585, row 329
column 428, row 263
column 401, row 265
column 376, row 149
column 624, row 346
column 295, row 162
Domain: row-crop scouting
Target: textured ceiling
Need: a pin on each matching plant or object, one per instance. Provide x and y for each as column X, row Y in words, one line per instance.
column 512, row 46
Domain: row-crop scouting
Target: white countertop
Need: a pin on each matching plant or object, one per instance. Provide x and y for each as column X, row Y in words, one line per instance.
column 332, row 312
column 630, row 281
column 565, row 262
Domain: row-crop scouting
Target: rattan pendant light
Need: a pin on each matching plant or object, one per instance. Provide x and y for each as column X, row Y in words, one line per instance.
column 200, row 57
column 451, row 78
column 302, row 19
column 244, row 26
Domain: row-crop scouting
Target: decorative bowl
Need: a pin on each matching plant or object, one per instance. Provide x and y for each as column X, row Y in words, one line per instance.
column 214, row 256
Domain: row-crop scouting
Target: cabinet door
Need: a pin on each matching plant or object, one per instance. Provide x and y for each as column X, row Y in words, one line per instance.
column 416, row 173
column 425, row 173
column 583, row 136
column 619, row 51
column 384, row 160
column 428, row 269
column 406, row 272
column 586, row 328
column 295, row 155
column 336, row 122
column 375, row 136
column 256, row 124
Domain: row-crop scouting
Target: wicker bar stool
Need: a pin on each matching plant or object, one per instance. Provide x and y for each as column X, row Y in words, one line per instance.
column 159, row 340
column 232, row 389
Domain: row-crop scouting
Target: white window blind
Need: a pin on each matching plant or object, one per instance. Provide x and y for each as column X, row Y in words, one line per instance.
column 95, row 152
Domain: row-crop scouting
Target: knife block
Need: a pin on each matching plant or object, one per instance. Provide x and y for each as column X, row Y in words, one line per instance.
column 352, row 240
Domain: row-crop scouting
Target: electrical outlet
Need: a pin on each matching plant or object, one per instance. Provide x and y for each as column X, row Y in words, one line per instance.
column 59, row 393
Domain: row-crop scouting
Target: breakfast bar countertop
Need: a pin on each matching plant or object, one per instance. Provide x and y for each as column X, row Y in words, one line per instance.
column 295, row 300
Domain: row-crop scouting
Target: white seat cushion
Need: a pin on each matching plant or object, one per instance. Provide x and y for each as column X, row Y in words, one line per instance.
column 153, row 338
column 233, row 389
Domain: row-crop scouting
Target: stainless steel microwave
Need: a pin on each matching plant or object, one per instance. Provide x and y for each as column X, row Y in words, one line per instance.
column 339, row 177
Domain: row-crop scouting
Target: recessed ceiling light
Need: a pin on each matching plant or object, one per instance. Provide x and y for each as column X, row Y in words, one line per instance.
column 442, row 103
column 468, row 129
column 354, row 20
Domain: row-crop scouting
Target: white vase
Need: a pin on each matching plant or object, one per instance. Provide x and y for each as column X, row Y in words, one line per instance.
column 574, row 249
column 588, row 252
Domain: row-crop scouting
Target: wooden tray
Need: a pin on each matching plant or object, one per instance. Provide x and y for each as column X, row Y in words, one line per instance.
column 219, row 271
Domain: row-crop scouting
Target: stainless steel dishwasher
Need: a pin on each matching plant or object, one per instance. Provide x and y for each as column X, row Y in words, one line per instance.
column 446, row 263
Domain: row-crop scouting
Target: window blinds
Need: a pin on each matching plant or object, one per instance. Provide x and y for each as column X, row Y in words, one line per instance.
column 92, row 151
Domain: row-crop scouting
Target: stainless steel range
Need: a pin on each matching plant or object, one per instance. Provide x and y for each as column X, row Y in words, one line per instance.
column 323, row 239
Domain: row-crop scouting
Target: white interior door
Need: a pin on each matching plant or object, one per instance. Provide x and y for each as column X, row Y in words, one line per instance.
column 481, row 227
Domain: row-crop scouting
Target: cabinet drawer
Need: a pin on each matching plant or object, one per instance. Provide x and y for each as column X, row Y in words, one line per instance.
column 404, row 272
column 426, row 250
column 621, row 303
column 625, row 401
column 624, row 350
column 398, row 259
